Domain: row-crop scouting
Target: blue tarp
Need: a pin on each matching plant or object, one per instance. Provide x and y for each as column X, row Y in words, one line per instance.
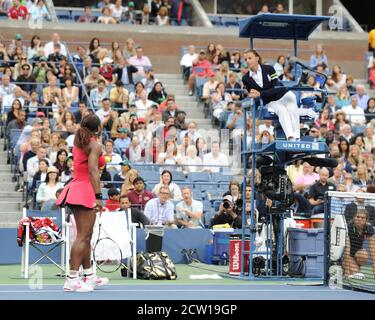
column 280, row 26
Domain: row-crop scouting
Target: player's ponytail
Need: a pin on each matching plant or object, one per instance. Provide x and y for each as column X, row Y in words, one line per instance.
column 88, row 128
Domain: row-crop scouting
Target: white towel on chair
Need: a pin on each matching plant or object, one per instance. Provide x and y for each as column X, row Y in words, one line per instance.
column 114, row 226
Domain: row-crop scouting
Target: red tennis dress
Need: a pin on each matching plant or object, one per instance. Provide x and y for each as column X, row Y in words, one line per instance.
column 79, row 191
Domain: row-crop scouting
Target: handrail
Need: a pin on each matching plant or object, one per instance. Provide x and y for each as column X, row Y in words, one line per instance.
column 70, row 58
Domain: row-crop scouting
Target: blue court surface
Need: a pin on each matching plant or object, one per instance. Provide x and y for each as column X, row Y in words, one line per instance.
column 184, row 292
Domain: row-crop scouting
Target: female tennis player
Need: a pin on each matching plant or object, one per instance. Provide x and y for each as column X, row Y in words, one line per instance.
column 261, row 81
column 83, row 196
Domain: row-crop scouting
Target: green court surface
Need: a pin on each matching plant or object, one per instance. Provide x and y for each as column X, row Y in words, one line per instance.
column 11, row 274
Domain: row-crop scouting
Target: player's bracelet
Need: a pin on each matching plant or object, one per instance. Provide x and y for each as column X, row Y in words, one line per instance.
column 98, row 196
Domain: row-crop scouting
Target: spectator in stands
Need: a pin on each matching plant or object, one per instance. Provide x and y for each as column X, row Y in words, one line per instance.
column 67, row 173
column 94, row 49
column 60, row 161
column 49, row 47
column 117, row 10
column 209, row 87
column 106, row 17
column 17, row 123
column 143, row 104
column 135, row 152
column 18, row 94
column 149, row 79
column 27, row 78
column 160, row 211
column 304, row 181
column 235, row 62
column 140, row 61
column 128, row 184
column 136, row 94
column 6, row 87
column 178, row 12
column 280, row 9
column 338, row 76
column 40, row 175
column 348, row 183
column 370, row 111
column 349, row 84
column 122, row 141
column 355, row 157
column 98, row 94
column 113, row 202
column 331, row 105
column 361, row 96
column 155, row 7
column 18, row 11
column 318, row 190
column 236, row 118
column 137, row 216
column 370, row 163
column 125, row 71
column 223, row 73
column 39, row 12
column 220, row 99
column 180, row 120
column 340, row 120
column 189, row 212
column 166, row 181
column 70, row 94
column 170, row 154
column 215, row 159
column 192, row 132
column 264, row 9
column 14, row 111
column 325, row 118
column 170, row 110
column 46, row 195
column 359, row 141
column 201, row 147
column 33, row 163
column 369, row 138
column 354, row 113
column 319, row 58
column 129, row 49
column 162, row 19
column 191, row 161
column 224, row 55
column 361, row 177
column 234, row 191
column 112, row 159
column 121, row 176
column 139, row 197
column 279, row 66
column 91, row 81
column 87, row 16
column 187, row 61
column 346, row 132
column 201, row 68
column 157, row 94
column 106, row 70
column 117, row 94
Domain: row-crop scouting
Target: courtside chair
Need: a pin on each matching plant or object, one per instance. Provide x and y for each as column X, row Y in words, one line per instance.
column 58, row 217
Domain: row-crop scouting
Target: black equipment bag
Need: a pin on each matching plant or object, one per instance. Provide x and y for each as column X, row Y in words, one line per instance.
column 155, row 266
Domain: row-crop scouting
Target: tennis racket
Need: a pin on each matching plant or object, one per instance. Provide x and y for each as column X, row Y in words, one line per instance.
column 107, row 254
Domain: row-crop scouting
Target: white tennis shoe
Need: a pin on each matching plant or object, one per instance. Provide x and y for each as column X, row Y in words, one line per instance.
column 95, row 281
column 77, row 285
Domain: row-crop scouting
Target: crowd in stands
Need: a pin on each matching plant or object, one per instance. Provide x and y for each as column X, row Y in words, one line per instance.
column 45, row 92
column 161, row 13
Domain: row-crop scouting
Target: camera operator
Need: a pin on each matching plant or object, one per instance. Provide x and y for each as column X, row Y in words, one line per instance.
column 228, row 213
column 318, row 189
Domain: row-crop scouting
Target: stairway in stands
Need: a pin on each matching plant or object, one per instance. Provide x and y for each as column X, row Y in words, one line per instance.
column 173, row 83
column 10, row 200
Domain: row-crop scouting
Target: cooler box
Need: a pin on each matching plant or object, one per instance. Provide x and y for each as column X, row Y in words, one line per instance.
column 309, row 244
column 303, row 222
column 235, row 254
column 220, row 248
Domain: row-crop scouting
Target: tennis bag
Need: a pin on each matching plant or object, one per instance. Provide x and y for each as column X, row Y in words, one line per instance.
column 155, row 266
column 42, row 231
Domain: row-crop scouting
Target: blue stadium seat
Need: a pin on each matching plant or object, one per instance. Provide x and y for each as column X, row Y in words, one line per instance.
column 149, row 175
column 230, row 21
column 216, row 21
column 219, row 177
column 178, row 176
column 199, row 177
column 64, row 14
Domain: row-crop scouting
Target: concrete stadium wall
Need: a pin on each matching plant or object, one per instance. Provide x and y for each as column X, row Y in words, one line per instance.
column 163, row 44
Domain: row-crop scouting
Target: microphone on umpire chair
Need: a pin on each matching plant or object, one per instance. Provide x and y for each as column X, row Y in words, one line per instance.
column 322, row 162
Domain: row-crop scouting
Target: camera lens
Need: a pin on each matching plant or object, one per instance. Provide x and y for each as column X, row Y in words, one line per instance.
column 226, row 205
